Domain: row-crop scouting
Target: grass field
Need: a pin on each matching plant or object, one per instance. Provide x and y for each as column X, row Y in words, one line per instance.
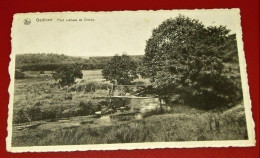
column 64, row 116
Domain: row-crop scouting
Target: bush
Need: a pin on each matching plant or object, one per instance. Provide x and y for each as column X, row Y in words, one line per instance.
column 71, row 112
column 34, row 113
column 19, row 75
column 118, row 102
column 51, row 113
column 88, row 108
column 20, row 116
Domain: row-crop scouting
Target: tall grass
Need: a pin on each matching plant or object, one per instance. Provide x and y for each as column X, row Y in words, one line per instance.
column 157, row 128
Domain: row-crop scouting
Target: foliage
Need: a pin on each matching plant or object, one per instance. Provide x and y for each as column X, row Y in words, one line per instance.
column 51, row 61
column 20, row 116
column 118, row 102
column 121, row 69
column 66, row 75
column 185, row 57
column 19, row 75
column 231, row 52
column 88, row 108
column 43, row 58
column 34, row 113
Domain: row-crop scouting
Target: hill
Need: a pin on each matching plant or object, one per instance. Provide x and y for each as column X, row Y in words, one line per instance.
column 50, row 62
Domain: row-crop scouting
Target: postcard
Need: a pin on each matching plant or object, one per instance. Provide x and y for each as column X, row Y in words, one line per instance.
column 128, row 80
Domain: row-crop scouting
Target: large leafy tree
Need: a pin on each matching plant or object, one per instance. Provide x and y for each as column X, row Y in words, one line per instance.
column 66, row 75
column 121, row 69
column 184, row 57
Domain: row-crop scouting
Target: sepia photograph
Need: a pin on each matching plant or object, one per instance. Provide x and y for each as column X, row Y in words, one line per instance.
column 128, row 80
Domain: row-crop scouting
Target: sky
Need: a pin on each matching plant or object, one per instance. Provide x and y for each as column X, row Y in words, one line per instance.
column 102, row 33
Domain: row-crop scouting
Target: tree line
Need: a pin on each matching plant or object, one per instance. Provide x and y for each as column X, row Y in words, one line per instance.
column 51, row 61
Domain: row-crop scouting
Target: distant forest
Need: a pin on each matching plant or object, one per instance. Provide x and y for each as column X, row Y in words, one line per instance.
column 50, row 62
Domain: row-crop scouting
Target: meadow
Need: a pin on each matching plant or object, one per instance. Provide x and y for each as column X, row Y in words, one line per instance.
column 45, row 114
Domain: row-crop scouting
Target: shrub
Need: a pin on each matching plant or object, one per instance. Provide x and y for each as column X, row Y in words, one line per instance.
column 34, row 113
column 75, row 111
column 118, row 102
column 19, row 75
column 51, row 113
column 88, row 108
column 20, row 116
